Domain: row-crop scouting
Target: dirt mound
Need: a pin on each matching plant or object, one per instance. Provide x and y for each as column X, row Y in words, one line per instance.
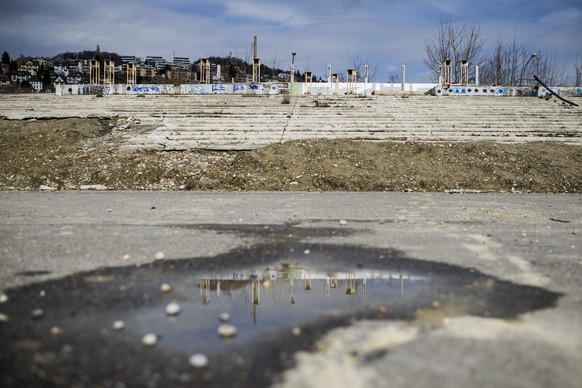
column 84, row 153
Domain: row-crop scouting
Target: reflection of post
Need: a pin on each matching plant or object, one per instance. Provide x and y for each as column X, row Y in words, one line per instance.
column 256, row 295
column 307, row 282
column 365, row 287
column 205, row 291
column 401, row 285
column 350, row 285
column 292, row 291
column 256, row 292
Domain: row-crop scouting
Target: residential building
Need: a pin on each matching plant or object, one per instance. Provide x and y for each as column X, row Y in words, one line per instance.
column 182, row 63
column 157, row 62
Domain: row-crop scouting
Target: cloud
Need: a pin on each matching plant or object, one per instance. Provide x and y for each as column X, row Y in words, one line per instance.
column 385, row 32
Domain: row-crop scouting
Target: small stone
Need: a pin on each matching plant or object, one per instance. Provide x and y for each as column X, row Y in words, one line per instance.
column 165, row 288
column 36, row 313
column 3, row 298
column 126, row 257
column 296, row 331
column 3, row 317
column 382, row 310
column 55, row 330
column 343, row 222
column 306, row 252
column 198, row 360
column 47, row 188
column 224, row 317
column 160, row 256
column 267, row 284
column 118, row 325
column 149, row 339
column 173, row 309
column 226, row 330
column 93, row 187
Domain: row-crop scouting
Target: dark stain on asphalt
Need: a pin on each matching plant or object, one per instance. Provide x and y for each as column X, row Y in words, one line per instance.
column 282, row 294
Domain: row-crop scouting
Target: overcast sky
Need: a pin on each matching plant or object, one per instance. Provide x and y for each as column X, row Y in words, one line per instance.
column 383, row 33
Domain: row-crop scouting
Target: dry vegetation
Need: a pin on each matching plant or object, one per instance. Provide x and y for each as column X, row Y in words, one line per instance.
column 70, row 154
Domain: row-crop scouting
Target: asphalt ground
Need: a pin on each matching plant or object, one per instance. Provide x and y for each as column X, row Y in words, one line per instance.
column 503, row 309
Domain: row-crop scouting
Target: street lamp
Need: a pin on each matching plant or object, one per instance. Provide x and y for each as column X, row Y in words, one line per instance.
column 525, row 66
column 293, row 66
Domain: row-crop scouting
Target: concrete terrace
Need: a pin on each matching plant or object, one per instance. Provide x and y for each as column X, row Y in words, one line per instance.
column 234, row 122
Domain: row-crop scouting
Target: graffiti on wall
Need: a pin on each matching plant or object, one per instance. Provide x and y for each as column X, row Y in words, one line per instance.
column 193, row 89
column 96, row 89
column 145, row 89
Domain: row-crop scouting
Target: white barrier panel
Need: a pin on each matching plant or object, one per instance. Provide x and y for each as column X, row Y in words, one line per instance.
column 267, row 88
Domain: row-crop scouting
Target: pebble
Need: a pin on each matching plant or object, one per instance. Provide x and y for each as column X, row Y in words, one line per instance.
column 126, row 257
column 165, row 288
column 3, row 317
column 296, row 331
column 118, row 325
column 3, row 298
column 226, row 330
column 173, row 309
column 149, row 339
column 224, row 317
column 267, row 284
column 160, row 256
column 47, row 188
column 306, row 252
column 198, row 360
column 55, row 330
column 343, row 222
column 36, row 313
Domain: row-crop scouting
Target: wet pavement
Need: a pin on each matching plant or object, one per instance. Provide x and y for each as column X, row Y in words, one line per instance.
column 321, row 288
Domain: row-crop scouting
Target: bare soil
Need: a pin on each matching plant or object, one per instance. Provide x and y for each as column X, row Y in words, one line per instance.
column 72, row 154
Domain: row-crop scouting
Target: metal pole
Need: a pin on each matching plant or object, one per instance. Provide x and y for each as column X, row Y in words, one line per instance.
column 524, row 66
column 403, row 77
column 293, row 66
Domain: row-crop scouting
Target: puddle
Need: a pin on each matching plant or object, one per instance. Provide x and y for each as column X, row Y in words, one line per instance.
column 280, row 297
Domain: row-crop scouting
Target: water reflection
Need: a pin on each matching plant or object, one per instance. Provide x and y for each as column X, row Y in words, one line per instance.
column 288, row 285
column 279, row 297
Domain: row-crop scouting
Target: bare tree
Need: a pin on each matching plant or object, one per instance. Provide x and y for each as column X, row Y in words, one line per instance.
column 551, row 71
column 359, row 64
column 578, row 75
column 454, row 43
column 394, row 76
column 275, row 63
column 506, row 65
column 513, row 63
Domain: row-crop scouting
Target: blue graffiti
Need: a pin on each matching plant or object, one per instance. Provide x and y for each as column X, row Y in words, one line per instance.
column 237, row 88
column 254, row 87
column 145, row 89
column 501, row 91
column 459, row 91
column 218, row 88
column 578, row 92
column 194, row 89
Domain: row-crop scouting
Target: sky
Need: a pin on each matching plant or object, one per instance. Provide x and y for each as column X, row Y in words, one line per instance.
column 384, row 34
